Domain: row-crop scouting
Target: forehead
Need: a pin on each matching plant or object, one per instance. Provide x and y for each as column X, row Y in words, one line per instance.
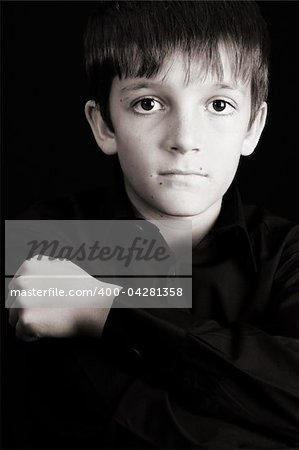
column 181, row 70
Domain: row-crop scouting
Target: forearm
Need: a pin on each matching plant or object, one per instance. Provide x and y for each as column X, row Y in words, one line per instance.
column 238, row 372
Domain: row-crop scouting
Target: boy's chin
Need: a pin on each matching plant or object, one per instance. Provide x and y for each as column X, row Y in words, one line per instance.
column 182, row 209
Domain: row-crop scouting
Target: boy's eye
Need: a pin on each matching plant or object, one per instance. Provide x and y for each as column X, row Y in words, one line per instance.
column 147, row 105
column 221, row 106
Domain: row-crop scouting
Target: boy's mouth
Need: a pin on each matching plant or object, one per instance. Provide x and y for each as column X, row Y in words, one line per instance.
column 183, row 172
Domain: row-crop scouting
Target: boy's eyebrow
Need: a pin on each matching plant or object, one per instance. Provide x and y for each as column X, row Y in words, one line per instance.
column 138, row 85
column 232, row 87
column 225, row 86
column 148, row 84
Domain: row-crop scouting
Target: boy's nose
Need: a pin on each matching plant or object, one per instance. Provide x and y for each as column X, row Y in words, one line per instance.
column 182, row 135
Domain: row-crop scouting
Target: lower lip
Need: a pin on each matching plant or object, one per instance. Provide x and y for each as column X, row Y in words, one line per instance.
column 183, row 178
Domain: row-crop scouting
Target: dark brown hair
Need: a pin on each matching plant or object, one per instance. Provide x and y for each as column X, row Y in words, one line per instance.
column 133, row 38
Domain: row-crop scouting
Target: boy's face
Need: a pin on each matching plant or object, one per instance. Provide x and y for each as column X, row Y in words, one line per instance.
column 179, row 143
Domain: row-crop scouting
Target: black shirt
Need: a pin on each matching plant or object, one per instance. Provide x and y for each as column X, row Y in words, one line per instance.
column 224, row 374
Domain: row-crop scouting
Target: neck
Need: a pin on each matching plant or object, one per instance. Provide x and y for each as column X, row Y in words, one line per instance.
column 175, row 227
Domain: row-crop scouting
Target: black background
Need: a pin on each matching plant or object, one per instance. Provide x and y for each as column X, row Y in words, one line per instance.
column 48, row 147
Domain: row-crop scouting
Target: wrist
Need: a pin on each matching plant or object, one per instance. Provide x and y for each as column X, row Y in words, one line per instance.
column 91, row 321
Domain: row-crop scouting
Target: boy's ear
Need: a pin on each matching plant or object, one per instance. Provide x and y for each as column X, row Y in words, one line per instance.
column 254, row 133
column 105, row 138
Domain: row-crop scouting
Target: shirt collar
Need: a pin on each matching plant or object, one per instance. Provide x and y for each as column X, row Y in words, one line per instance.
column 232, row 220
column 117, row 205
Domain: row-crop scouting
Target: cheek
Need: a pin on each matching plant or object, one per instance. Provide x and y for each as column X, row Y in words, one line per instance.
column 224, row 157
column 225, row 146
column 225, row 172
column 230, row 129
column 136, row 164
column 135, row 152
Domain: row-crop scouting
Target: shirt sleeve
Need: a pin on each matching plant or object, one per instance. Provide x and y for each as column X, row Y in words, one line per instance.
column 245, row 373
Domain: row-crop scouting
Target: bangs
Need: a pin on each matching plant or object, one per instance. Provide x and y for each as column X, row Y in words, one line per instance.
column 201, row 62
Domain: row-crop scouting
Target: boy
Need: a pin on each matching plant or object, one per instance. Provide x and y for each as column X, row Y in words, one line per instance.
column 178, row 93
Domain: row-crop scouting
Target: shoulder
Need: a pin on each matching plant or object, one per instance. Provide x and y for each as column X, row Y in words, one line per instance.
column 271, row 232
